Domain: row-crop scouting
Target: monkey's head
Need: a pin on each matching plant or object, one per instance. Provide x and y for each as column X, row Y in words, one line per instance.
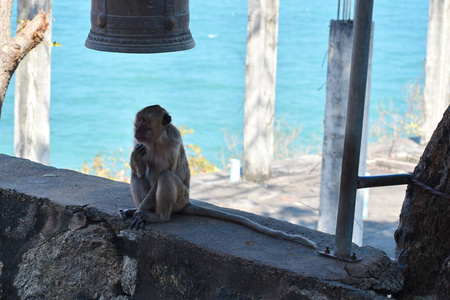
column 151, row 123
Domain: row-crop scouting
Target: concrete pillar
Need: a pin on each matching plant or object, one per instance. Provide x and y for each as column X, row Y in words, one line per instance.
column 260, row 79
column 338, row 76
column 32, row 94
column 437, row 68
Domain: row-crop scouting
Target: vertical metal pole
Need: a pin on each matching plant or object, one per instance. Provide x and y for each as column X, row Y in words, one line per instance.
column 353, row 129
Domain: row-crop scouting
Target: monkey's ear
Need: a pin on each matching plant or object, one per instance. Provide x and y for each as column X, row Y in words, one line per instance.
column 166, row 119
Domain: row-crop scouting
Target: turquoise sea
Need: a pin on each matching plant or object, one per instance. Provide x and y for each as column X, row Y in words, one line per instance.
column 95, row 95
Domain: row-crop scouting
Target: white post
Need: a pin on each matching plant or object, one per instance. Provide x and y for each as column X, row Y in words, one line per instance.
column 338, row 76
column 262, row 38
column 32, row 94
column 437, row 79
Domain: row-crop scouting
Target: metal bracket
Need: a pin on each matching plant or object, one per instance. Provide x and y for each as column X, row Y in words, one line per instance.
column 352, row 259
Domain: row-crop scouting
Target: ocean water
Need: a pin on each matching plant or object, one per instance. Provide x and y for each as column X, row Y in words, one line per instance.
column 95, row 95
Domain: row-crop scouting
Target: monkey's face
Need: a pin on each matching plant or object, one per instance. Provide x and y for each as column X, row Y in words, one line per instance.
column 150, row 123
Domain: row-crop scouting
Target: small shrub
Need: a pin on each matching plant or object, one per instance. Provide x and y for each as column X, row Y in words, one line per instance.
column 198, row 163
column 286, row 143
column 393, row 124
column 117, row 168
column 113, row 167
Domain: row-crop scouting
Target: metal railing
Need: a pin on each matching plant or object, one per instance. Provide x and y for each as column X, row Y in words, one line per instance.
column 350, row 180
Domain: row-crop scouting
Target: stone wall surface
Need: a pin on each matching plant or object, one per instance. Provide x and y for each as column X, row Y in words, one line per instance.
column 61, row 238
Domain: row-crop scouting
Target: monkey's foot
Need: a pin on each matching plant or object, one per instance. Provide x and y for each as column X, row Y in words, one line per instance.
column 126, row 213
column 142, row 217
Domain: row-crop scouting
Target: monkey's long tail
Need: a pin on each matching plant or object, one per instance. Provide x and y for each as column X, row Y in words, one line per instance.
column 192, row 209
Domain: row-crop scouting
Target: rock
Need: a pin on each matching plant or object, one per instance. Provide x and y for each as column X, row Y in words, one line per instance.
column 443, row 286
column 423, row 235
column 71, row 265
column 377, row 272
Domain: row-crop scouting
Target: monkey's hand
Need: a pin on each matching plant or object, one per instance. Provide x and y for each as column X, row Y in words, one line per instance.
column 137, row 162
column 142, row 217
column 138, row 153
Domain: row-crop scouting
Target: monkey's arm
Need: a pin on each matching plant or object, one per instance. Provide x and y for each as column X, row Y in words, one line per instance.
column 140, row 189
column 169, row 195
column 143, row 214
column 149, row 201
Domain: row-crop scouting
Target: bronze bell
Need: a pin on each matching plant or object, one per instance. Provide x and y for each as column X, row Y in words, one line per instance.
column 140, row 26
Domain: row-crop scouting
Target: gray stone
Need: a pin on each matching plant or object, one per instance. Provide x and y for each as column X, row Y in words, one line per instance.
column 422, row 237
column 377, row 272
column 73, row 264
column 129, row 275
column 443, row 287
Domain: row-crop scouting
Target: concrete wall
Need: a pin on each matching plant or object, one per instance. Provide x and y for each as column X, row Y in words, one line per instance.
column 61, row 238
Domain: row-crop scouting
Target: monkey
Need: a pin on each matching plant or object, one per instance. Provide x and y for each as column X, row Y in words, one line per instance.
column 160, row 178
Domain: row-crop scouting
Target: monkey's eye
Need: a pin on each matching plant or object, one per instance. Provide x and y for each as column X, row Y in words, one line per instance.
column 142, row 120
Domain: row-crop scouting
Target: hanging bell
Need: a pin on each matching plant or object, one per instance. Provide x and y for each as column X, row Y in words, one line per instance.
column 140, row 26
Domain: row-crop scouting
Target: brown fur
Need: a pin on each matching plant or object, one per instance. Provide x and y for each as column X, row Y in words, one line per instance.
column 160, row 177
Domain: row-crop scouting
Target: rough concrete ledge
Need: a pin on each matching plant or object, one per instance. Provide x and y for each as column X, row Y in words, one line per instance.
column 61, row 238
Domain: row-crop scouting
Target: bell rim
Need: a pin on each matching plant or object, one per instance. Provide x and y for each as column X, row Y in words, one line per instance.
column 139, row 43
column 148, row 49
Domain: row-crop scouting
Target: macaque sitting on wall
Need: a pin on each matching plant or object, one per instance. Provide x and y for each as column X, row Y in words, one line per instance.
column 160, row 177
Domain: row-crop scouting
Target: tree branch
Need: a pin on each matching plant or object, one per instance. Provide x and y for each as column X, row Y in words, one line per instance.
column 13, row 50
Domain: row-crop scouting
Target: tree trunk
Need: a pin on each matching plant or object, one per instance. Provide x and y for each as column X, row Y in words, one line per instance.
column 261, row 66
column 32, row 97
column 13, row 50
column 423, row 235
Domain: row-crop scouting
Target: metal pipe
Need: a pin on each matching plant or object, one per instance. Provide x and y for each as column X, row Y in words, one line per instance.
column 383, row 180
column 353, row 129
